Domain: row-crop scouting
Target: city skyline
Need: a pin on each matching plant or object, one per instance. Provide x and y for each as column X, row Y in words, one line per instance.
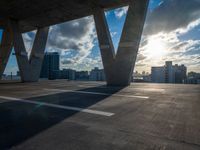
column 167, row 73
column 162, row 40
column 45, row 66
column 74, row 69
column 51, row 62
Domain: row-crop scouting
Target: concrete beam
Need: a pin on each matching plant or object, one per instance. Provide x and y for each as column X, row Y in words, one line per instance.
column 37, row 13
column 5, row 48
column 29, row 68
column 119, row 67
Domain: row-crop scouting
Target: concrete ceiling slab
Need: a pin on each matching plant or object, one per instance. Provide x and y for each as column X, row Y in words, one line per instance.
column 40, row 13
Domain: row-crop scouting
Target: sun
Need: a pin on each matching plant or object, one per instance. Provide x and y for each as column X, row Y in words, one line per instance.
column 156, row 48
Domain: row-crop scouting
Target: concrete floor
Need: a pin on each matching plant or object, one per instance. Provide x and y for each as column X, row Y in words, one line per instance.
column 64, row 115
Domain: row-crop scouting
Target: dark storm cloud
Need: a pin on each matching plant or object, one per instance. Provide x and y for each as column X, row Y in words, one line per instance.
column 68, row 35
column 62, row 43
column 171, row 15
column 74, row 29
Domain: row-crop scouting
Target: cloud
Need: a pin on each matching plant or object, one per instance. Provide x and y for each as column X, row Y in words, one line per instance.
column 66, row 61
column 140, row 57
column 185, row 46
column 179, row 51
column 189, row 27
column 172, row 15
column 120, row 12
column 28, row 39
column 72, row 35
column 113, row 34
column 87, row 64
column 179, row 46
column 74, row 40
column 167, row 22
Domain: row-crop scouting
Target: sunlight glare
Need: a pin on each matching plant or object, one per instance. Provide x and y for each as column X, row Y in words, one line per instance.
column 156, row 48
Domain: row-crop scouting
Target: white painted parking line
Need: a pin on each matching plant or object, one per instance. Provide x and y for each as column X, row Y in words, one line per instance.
column 150, row 89
column 90, row 111
column 98, row 93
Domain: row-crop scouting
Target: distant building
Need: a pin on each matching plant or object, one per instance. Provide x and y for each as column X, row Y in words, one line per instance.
column 10, row 77
column 82, row 75
column 169, row 73
column 50, row 66
column 97, row 74
column 147, row 78
column 68, row 74
column 193, row 78
column 138, row 77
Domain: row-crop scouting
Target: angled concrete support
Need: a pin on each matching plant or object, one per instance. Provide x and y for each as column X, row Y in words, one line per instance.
column 119, row 67
column 5, row 48
column 29, row 68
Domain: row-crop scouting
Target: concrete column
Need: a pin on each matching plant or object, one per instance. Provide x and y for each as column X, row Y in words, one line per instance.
column 38, row 51
column 5, row 48
column 105, row 44
column 29, row 69
column 119, row 68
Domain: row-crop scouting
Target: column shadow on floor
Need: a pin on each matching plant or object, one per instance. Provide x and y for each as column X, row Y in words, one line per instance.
column 21, row 121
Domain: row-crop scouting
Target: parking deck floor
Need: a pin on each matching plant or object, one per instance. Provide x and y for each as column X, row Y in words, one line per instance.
column 78, row 115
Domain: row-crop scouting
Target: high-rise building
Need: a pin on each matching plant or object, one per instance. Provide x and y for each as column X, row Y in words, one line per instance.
column 50, row 66
column 180, row 73
column 169, row 73
column 158, row 74
column 97, row 74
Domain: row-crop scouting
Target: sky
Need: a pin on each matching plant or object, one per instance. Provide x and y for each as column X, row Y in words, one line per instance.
column 171, row 33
